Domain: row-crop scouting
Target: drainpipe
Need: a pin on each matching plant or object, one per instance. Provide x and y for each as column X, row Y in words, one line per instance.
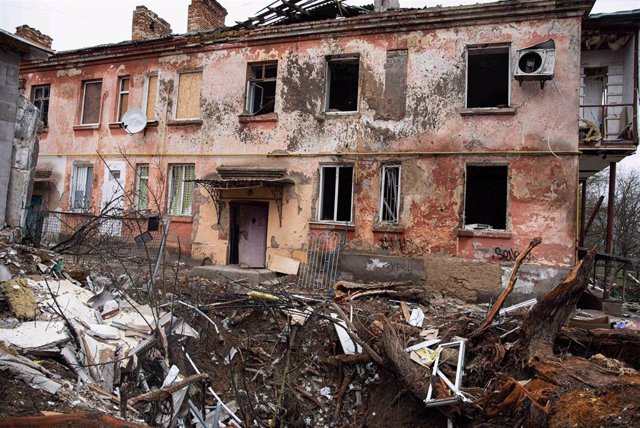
column 611, row 203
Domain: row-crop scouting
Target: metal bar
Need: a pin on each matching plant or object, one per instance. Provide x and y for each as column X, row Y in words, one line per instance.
column 611, row 203
column 605, row 105
column 583, row 213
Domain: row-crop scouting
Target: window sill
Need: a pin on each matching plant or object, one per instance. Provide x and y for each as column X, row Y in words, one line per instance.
column 250, row 118
column 115, row 125
column 498, row 234
column 388, row 228
column 152, row 123
column 321, row 225
column 339, row 113
column 184, row 122
column 181, row 219
column 488, row 111
column 86, row 127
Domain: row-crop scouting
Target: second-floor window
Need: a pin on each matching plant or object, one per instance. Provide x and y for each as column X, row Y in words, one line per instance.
column 123, row 97
column 342, row 84
column 189, row 88
column 142, row 186
column 91, row 102
column 151, row 97
column 336, row 193
column 261, row 88
column 488, row 77
column 390, row 194
column 181, row 189
column 81, row 185
column 40, row 98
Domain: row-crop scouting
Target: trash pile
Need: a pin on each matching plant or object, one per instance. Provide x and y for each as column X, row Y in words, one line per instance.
column 189, row 351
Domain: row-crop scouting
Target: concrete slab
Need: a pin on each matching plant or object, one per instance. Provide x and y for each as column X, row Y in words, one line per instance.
column 380, row 268
column 235, row 273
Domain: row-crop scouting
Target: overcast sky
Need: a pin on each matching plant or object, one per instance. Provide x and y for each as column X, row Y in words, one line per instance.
column 80, row 23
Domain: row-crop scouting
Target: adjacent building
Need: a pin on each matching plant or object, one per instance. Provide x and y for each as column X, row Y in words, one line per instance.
column 440, row 140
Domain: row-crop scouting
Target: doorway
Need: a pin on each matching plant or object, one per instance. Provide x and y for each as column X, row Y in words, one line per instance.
column 248, row 237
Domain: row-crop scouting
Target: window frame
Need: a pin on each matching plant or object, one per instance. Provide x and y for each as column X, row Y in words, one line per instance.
column 145, row 95
column 507, row 226
column 176, row 97
column 74, row 185
column 327, row 84
column 34, row 88
column 139, row 178
column 337, row 191
column 181, row 212
column 248, row 95
column 122, row 92
column 490, row 46
column 382, row 193
column 84, row 101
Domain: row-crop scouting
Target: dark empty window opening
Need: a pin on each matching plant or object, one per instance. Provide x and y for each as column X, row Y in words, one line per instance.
column 336, row 193
column 486, row 197
column 488, row 77
column 40, row 97
column 342, row 84
column 261, row 88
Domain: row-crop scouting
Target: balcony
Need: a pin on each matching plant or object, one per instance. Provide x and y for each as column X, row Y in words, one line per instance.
column 608, row 125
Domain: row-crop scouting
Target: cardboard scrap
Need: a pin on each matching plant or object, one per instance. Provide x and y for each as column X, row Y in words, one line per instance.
column 284, row 265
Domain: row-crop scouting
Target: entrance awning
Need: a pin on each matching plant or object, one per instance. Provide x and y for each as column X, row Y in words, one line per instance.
column 237, row 178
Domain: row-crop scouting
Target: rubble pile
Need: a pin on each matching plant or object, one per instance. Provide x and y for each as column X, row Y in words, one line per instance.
column 193, row 352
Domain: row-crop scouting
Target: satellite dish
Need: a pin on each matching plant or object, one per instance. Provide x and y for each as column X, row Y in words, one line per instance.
column 134, row 120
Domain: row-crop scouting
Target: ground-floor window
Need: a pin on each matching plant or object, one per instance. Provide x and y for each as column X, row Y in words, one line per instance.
column 81, row 185
column 486, row 197
column 390, row 194
column 181, row 178
column 142, row 186
column 336, row 193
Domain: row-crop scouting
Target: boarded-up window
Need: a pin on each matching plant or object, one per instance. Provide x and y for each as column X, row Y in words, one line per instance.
column 152, row 96
column 189, row 87
column 142, row 186
column 81, row 185
column 91, row 94
column 123, row 97
column 181, row 178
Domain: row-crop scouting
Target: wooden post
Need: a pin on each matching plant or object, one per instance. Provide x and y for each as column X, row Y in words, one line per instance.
column 583, row 213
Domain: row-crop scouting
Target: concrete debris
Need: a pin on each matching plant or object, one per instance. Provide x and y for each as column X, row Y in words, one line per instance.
column 20, row 299
column 32, row 335
column 29, row 372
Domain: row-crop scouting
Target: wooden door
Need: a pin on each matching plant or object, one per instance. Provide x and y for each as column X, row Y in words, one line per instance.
column 252, row 235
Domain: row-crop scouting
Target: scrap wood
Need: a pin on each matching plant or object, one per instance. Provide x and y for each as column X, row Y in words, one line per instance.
column 347, row 290
column 164, row 393
column 87, row 420
column 622, row 345
column 545, row 319
column 336, row 360
column 514, row 394
column 495, row 309
column 350, row 331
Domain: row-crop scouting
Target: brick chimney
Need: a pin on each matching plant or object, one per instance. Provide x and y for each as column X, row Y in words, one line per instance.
column 205, row 15
column 34, row 36
column 385, row 5
column 148, row 25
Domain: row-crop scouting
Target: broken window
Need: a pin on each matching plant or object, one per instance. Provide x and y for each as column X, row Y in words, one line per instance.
column 594, row 95
column 390, row 194
column 91, row 102
column 81, row 185
column 261, row 88
column 40, row 98
column 151, row 97
column 123, row 97
column 488, row 77
column 486, row 197
column 189, row 87
column 142, row 186
column 342, row 84
column 336, row 193
column 181, row 178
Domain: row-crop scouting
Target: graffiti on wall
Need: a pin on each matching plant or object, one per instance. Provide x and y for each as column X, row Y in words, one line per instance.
column 403, row 245
column 508, row 254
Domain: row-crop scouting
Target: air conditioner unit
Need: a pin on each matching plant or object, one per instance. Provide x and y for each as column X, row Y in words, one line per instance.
column 536, row 62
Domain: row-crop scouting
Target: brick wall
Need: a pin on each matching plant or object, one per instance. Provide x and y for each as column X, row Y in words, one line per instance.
column 33, row 35
column 147, row 25
column 205, row 15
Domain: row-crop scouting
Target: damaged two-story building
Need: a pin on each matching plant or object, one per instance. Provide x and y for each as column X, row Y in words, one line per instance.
column 439, row 140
